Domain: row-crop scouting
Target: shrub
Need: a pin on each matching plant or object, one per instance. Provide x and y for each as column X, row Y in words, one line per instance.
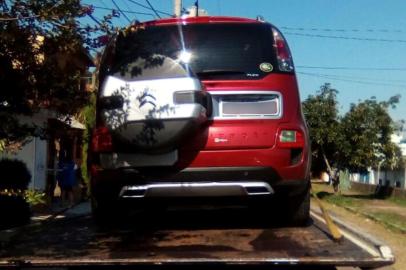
column 14, row 180
column 14, row 174
column 34, row 197
column 15, row 211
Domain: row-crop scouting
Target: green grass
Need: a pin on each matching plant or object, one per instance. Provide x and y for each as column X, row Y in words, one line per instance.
column 319, row 187
column 339, row 200
column 392, row 221
column 359, row 204
column 345, row 199
column 398, row 201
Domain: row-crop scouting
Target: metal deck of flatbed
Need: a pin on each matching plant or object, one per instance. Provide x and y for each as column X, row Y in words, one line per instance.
column 77, row 243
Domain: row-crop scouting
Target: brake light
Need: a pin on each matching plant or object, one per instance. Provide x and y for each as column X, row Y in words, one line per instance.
column 283, row 54
column 291, row 139
column 102, row 140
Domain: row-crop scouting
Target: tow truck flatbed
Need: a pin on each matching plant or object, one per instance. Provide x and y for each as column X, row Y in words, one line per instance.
column 199, row 240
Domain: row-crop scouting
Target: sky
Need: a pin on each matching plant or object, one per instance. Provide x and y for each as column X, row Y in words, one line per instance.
column 357, row 46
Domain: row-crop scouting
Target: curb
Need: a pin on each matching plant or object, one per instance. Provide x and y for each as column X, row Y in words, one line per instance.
column 378, row 220
column 373, row 218
column 353, row 228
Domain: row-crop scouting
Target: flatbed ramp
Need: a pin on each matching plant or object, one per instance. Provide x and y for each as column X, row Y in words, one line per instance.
column 77, row 242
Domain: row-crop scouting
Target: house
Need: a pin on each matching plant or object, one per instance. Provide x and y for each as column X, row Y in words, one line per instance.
column 394, row 178
column 41, row 154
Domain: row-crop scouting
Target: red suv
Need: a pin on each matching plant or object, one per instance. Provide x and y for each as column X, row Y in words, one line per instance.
column 199, row 107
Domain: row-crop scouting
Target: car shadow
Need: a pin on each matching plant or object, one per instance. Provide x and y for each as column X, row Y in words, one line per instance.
column 202, row 217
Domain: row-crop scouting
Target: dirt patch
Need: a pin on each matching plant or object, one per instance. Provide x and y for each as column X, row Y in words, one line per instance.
column 389, row 213
column 381, row 205
column 397, row 241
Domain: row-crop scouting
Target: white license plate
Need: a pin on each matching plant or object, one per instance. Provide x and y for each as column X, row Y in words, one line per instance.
column 146, row 160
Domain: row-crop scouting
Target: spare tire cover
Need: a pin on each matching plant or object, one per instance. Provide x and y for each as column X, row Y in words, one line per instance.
column 148, row 117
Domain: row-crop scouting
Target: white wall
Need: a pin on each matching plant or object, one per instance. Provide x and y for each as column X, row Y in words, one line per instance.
column 34, row 155
column 392, row 176
column 40, row 171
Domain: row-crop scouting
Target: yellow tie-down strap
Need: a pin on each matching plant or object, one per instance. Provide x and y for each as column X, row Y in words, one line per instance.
column 332, row 227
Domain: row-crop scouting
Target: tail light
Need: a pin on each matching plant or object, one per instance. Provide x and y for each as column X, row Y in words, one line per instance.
column 283, row 54
column 102, row 140
column 291, row 139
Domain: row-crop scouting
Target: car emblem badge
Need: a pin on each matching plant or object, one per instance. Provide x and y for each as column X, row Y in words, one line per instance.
column 266, row 67
column 146, row 98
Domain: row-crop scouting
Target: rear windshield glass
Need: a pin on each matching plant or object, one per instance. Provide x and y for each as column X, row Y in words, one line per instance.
column 212, row 51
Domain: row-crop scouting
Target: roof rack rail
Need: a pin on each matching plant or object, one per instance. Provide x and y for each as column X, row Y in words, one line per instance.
column 260, row 18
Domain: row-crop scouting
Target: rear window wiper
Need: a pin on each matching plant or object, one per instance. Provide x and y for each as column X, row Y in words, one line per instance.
column 209, row 72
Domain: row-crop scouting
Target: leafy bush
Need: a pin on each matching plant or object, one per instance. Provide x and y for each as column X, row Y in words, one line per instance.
column 15, row 211
column 345, row 182
column 14, row 174
column 14, row 180
column 34, row 197
column 2, row 145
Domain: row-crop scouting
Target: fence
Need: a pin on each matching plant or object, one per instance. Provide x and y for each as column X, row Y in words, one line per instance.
column 384, row 191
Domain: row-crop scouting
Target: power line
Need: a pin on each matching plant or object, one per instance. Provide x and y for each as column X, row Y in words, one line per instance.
column 104, row 4
column 87, row 26
column 139, row 4
column 147, row 7
column 29, row 17
column 153, row 9
column 119, row 9
column 19, row 18
column 350, row 68
column 340, row 76
column 218, row 7
column 336, row 78
column 343, row 30
column 126, row 11
column 347, row 38
column 126, row 4
column 94, row 19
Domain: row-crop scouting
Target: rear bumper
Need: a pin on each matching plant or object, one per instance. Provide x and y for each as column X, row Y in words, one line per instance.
column 194, row 182
column 196, row 189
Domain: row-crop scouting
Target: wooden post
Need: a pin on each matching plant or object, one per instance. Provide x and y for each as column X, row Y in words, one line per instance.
column 177, row 7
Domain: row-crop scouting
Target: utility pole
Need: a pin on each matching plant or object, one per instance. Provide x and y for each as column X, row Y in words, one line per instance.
column 177, row 8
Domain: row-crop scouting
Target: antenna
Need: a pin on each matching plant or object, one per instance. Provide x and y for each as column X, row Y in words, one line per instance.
column 197, row 8
column 260, row 18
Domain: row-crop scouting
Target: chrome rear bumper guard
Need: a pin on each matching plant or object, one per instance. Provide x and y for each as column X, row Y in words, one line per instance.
column 194, row 189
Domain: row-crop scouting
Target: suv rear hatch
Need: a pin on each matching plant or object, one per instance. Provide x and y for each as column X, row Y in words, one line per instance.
column 222, row 52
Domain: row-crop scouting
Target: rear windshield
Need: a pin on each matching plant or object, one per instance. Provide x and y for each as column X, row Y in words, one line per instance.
column 211, row 51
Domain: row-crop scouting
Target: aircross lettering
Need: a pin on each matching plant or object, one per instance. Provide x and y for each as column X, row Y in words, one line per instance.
column 220, row 140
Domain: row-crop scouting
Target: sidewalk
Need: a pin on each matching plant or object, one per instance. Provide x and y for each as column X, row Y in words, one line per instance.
column 391, row 214
column 56, row 211
column 46, row 217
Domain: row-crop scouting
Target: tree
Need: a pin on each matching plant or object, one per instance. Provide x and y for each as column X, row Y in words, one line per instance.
column 369, row 128
column 322, row 118
column 359, row 140
column 34, row 34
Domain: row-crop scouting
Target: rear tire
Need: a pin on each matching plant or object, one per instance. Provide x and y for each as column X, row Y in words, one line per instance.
column 299, row 209
column 105, row 212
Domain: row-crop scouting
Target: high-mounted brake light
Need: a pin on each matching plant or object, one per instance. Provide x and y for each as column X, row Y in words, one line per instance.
column 291, row 139
column 283, row 54
column 102, row 140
